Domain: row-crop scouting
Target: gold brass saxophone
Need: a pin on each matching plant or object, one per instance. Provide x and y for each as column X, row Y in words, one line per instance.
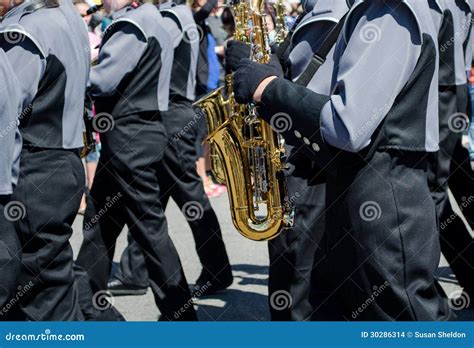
column 281, row 28
column 246, row 154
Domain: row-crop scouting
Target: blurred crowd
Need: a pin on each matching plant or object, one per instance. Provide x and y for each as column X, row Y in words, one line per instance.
column 215, row 26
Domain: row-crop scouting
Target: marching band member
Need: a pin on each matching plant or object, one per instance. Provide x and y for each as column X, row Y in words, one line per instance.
column 130, row 85
column 51, row 64
column 10, row 143
column 178, row 175
column 455, row 49
column 292, row 252
column 371, row 135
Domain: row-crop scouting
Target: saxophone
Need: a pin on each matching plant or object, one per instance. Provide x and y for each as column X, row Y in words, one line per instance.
column 246, row 154
column 280, row 24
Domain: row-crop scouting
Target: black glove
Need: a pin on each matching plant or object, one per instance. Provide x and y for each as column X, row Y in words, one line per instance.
column 234, row 52
column 250, row 74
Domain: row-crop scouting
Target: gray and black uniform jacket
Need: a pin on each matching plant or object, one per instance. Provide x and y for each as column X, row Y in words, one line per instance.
column 455, row 45
column 307, row 38
column 46, row 46
column 311, row 32
column 10, row 139
column 182, row 29
column 135, row 60
column 384, row 86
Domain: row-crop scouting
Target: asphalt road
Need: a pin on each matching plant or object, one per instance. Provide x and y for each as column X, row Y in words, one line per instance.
column 246, row 299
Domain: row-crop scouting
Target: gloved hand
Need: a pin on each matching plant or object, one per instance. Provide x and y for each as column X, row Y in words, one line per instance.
column 234, row 52
column 249, row 75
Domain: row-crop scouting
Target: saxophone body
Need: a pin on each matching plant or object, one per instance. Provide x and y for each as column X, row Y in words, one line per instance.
column 246, row 154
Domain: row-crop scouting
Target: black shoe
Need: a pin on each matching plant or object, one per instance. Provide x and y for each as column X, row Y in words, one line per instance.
column 207, row 285
column 117, row 288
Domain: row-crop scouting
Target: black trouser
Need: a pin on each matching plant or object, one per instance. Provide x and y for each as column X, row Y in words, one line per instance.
column 50, row 188
column 10, row 252
column 450, row 167
column 291, row 252
column 179, row 180
column 381, row 246
column 126, row 191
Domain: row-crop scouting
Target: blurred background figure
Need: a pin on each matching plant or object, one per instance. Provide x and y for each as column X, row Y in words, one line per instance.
column 92, row 157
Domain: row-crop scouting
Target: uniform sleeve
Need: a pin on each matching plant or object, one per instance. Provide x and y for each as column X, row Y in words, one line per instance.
column 307, row 42
column 173, row 30
column 468, row 51
column 372, row 70
column 10, row 139
column 29, row 66
column 118, row 56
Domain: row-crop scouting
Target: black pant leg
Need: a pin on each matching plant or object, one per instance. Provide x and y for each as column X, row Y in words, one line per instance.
column 136, row 144
column 179, row 177
column 450, row 166
column 50, row 188
column 292, row 252
column 382, row 240
column 10, row 253
column 461, row 181
column 103, row 221
column 132, row 265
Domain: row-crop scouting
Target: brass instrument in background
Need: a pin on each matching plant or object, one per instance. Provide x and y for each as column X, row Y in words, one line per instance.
column 87, row 135
column 280, row 24
column 246, row 154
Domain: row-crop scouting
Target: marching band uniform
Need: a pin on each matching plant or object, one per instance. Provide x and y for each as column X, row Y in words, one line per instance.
column 178, row 173
column 51, row 65
column 10, row 143
column 371, row 134
column 131, row 83
column 455, row 49
column 291, row 253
